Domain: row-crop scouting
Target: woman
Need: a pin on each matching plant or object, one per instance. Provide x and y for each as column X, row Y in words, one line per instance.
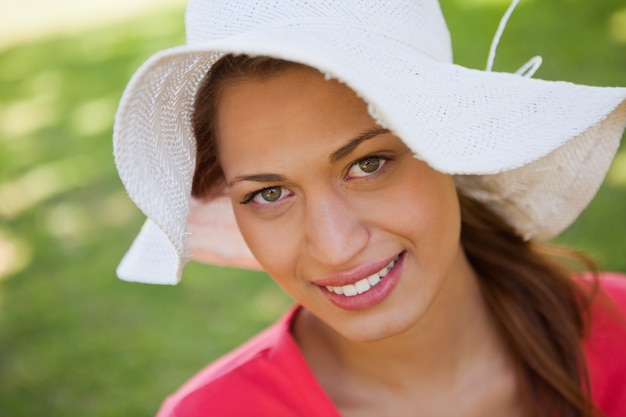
column 396, row 197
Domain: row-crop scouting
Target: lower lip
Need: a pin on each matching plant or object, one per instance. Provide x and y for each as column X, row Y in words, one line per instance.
column 374, row 295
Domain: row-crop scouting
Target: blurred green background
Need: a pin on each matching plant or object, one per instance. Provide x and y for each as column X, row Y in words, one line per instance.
column 75, row 341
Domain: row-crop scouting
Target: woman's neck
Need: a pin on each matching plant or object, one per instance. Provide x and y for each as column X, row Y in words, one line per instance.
column 454, row 351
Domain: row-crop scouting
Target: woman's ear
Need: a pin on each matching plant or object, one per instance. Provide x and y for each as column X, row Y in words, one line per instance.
column 213, row 236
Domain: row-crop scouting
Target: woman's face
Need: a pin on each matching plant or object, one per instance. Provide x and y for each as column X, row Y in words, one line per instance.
column 335, row 208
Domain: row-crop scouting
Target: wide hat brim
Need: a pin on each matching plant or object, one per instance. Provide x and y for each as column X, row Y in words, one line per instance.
column 536, row 151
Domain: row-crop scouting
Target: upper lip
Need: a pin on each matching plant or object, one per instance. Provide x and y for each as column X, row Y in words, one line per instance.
column 354, row 275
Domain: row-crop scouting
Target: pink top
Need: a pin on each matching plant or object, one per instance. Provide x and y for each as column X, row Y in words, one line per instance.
column 268, row 376
column 605, row 346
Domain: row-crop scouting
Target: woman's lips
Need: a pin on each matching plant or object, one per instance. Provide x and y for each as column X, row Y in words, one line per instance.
column 369, row 291
column 365, row 284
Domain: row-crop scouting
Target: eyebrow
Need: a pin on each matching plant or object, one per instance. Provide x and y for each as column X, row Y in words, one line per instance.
column 346, row 149
column 339, row 154
column 257, row 178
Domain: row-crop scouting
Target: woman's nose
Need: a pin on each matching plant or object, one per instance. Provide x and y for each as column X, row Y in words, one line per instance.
column 335, row 231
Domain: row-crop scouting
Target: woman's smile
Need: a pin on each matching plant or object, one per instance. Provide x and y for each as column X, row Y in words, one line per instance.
column 367, row 291
column 338, row 286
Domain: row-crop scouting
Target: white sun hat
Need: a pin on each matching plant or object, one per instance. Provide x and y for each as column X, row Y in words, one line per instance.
column 535, row 151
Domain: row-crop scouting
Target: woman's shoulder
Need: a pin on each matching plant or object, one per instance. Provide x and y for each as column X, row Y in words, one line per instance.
column 265, row 376
column 605, row 344
column 607, row 315
column 608, row 307
column 613, row 284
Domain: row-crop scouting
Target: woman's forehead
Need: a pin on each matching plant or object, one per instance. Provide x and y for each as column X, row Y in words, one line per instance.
column 296, row 89
column 296, row 109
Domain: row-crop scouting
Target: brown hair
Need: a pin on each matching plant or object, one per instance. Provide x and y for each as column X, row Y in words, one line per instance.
column 539, row 308
column 208, row 178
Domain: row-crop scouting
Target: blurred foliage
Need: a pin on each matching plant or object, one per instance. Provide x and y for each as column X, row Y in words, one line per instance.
column 75, row 341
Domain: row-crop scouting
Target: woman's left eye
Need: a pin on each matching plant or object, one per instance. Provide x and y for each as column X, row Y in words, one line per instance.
column 366, row 166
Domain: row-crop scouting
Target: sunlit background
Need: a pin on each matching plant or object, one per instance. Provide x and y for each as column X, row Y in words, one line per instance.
column 75, row 341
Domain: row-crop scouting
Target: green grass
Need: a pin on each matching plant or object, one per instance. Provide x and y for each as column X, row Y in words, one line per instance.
column 75, row 341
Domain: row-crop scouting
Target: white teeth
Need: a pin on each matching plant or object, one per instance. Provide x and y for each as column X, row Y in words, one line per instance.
column 336, row 290
column 384, row 271
column 374, row 279
column 349, row 290
column 362, row 286
column 365, row 284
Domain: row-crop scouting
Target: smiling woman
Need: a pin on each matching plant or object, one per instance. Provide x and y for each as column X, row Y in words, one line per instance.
column 320, row 193
column 400, row 203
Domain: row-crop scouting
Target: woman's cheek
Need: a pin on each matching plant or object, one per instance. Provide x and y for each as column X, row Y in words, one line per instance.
column 269, row 242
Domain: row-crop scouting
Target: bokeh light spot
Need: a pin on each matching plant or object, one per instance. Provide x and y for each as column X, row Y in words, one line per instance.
column 617, row 26
column 27, row 116
column 44, row 182
column 15, row 254
column 67, row 17
column 117, row 209
column 68, row 221
column 617, row 173
column 94, row 116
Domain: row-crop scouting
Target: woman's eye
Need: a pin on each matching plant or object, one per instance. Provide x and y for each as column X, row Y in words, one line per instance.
column 366, row 166
column 269, row 195
column 266, row 196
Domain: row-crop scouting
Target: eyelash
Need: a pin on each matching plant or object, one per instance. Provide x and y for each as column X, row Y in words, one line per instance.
column 384, row 159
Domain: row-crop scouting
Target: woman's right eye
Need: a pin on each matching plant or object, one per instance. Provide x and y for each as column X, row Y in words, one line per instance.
column 266, row 196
